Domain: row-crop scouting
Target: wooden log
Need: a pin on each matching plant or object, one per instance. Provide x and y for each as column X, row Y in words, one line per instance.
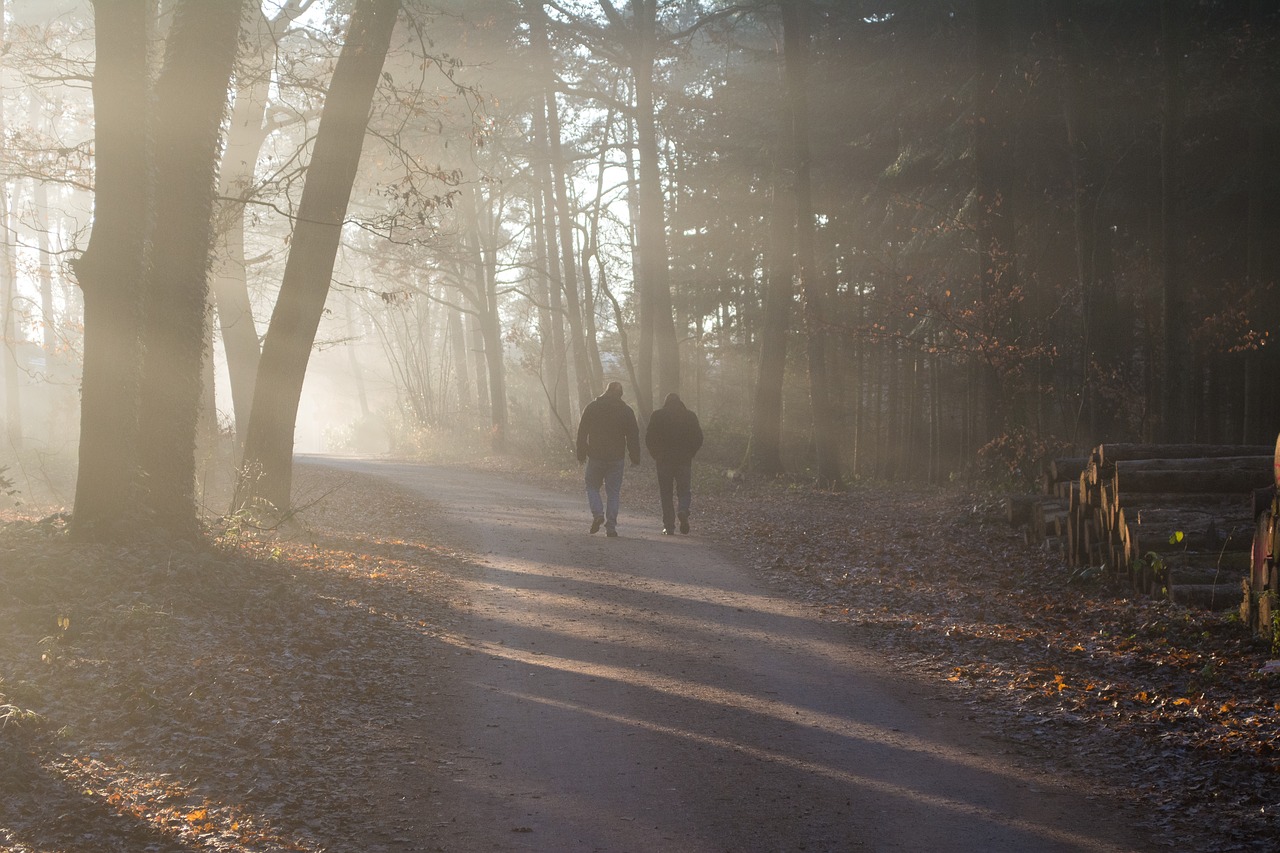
column 1228, row 562
column 1220, row 596
column 1067, row 469
column 1263, row 500
column 1225, row 503
column 1046, row 512
column 1144, row 541
column 1238, row 482
column 1109, row 454
column 1200, row 463
column 1018, row 508
column 1248, row 606
column 1055, row 523
column 1266, row 607
column 1156, row 530
column 1194, row 577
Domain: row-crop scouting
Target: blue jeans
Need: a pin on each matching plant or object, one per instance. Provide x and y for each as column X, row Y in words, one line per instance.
column 606, row 472
column 674, row 475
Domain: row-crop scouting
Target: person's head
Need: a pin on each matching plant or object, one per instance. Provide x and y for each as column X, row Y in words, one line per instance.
column 614, row 390
column 673, row 401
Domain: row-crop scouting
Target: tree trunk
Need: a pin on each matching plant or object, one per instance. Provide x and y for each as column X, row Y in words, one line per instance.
column 557, row 368
column 1076, row 118
column 9, row 336
column 623, row 342
column 766, row 413
column 482, row 262
column 462, row 370
column 645, row 315
column 993, row 159
column 824, row 438
column 558, row 194
column 654, row 278
column 1177, row 413
column 313, row 252
column 479, row 369
column 247, row 131
column 110, row 272
column 547, row 247
column 40, row 201
column 190, row 102
column 592, row 250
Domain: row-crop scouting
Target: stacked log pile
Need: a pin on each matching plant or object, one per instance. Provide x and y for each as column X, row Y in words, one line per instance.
column 1260, row 605
column 1172, row 520
column 1044, row 518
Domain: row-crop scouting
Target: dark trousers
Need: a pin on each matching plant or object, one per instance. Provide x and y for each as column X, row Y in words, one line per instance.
column 674, row 475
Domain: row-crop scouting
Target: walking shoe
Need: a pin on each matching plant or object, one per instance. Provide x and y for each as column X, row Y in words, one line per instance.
column 667, row 531
column 684, row 522
column 611, row 532
column 596, row 522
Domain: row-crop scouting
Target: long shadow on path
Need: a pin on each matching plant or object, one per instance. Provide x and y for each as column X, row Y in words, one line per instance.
column 645, row 693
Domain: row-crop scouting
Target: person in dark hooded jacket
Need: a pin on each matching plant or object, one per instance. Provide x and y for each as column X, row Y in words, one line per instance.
column 607, row 433
column 673, row 437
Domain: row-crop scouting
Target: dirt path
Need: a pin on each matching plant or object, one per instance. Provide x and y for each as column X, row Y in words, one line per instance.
column 645, row 693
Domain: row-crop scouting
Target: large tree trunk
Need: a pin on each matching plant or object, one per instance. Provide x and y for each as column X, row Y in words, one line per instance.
column 110, row 272
column 655, row 276
column 331, row 173
column 824, row 427
column 191, row 100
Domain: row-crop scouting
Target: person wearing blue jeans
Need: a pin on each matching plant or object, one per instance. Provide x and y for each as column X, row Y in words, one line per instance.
column 607, row 433
column 673, row 437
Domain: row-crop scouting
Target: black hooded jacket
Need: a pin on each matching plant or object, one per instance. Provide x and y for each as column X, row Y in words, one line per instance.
column 608, row 430
column 674, row 433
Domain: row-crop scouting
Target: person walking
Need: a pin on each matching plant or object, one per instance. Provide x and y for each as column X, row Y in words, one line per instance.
column 673, row 437
column 606, row 434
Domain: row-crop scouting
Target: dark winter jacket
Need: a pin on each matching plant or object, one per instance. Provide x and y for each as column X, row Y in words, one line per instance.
column 608, row 431
column 674, row 433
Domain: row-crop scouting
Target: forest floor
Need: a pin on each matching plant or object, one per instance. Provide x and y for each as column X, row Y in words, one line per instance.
column 203, row 661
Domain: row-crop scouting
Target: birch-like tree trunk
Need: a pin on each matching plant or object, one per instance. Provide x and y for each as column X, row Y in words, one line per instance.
column 268, row 454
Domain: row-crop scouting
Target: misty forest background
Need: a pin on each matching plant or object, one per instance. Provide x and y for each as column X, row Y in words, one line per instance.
column 864, row 240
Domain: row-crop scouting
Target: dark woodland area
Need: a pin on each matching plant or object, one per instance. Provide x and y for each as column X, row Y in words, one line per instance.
column 975, row 301
column 916, row 241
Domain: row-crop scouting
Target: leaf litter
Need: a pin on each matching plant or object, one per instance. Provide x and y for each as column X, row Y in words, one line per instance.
column 1170, row 706
column 250, row 695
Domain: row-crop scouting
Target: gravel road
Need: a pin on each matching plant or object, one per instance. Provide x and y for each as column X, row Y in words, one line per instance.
column 646, row 693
